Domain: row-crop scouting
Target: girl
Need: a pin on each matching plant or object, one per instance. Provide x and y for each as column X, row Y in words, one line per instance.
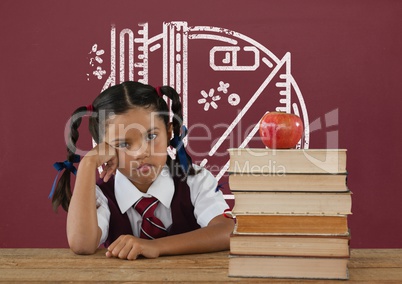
column 131, row 125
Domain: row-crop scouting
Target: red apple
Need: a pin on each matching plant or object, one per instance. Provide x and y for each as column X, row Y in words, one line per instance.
column 280, row 130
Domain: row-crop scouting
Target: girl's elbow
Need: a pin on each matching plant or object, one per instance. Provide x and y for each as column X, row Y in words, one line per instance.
column 81, row 248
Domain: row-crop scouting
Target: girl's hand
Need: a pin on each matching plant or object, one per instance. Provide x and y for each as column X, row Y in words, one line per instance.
column 130, row 247
column 106, row 156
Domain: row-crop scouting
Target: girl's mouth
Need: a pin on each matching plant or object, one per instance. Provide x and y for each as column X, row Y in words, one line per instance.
column 144, row 168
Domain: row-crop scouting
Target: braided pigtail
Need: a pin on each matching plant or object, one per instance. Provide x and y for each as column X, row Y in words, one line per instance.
column 61, row 191
column 183, row 162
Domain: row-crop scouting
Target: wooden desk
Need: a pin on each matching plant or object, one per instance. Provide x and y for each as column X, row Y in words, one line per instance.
column 58, row 265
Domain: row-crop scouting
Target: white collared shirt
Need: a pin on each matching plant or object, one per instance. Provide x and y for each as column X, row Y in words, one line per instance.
column 208, row 203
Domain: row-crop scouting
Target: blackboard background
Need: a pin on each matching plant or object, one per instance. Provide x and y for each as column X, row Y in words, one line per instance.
column 346, row 56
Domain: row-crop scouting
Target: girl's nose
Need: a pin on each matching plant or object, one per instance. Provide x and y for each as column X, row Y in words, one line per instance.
column 141, row 152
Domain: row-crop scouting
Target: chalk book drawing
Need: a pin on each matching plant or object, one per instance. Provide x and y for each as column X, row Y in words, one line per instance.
column 224, row 77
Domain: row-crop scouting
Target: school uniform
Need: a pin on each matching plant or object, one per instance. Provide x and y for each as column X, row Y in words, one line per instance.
column 203, row 200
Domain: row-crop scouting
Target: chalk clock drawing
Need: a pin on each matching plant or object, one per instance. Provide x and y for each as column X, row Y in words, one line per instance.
column 224, row 78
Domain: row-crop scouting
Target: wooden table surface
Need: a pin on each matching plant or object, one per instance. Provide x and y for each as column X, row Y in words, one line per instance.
column 61, row 265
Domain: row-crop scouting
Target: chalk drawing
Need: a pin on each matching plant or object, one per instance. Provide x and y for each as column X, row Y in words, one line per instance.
column 223, row 87
column 209, row 99
column 96, row 58
column 230, row 51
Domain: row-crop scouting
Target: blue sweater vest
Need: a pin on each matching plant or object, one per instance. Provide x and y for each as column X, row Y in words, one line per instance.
column 181, row 207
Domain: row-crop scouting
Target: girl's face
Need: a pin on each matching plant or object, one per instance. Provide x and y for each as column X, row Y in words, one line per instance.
column 141, row 139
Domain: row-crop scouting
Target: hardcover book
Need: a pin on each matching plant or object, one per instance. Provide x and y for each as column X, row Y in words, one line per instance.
column 292, row 225
column 279, row 161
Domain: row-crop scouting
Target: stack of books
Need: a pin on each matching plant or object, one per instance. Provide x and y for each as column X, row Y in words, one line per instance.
column 291, row 209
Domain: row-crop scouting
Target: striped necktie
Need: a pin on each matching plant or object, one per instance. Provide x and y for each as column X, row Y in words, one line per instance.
column 151, row 227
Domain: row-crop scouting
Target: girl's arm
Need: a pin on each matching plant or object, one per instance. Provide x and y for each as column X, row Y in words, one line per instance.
column 83, row 233
column 214, row 237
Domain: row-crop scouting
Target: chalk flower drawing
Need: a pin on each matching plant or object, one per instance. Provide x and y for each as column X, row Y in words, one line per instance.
column 99, row 72
column 223, row 87
column 98, row 54
column 96, row 59
column 209, row 99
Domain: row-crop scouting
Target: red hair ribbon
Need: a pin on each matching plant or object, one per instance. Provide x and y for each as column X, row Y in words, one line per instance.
column 159, row 91
column 90, row 108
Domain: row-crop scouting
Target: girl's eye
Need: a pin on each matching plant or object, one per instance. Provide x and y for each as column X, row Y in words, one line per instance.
column 123, row 145
column 151, row 136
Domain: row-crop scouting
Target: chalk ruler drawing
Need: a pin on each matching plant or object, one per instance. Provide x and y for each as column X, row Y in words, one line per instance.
column 131, row 52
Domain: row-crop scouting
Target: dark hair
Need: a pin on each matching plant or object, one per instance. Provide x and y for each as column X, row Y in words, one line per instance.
column 114, row 101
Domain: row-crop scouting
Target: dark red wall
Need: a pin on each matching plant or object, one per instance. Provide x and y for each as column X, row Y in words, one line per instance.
column 345, row 58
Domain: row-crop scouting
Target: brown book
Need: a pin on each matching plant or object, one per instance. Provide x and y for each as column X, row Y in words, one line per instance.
column 279, row 161
column 299, row 203
column 309, row 246
column 292, row 225
column 288, row 267
column 288, row 182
